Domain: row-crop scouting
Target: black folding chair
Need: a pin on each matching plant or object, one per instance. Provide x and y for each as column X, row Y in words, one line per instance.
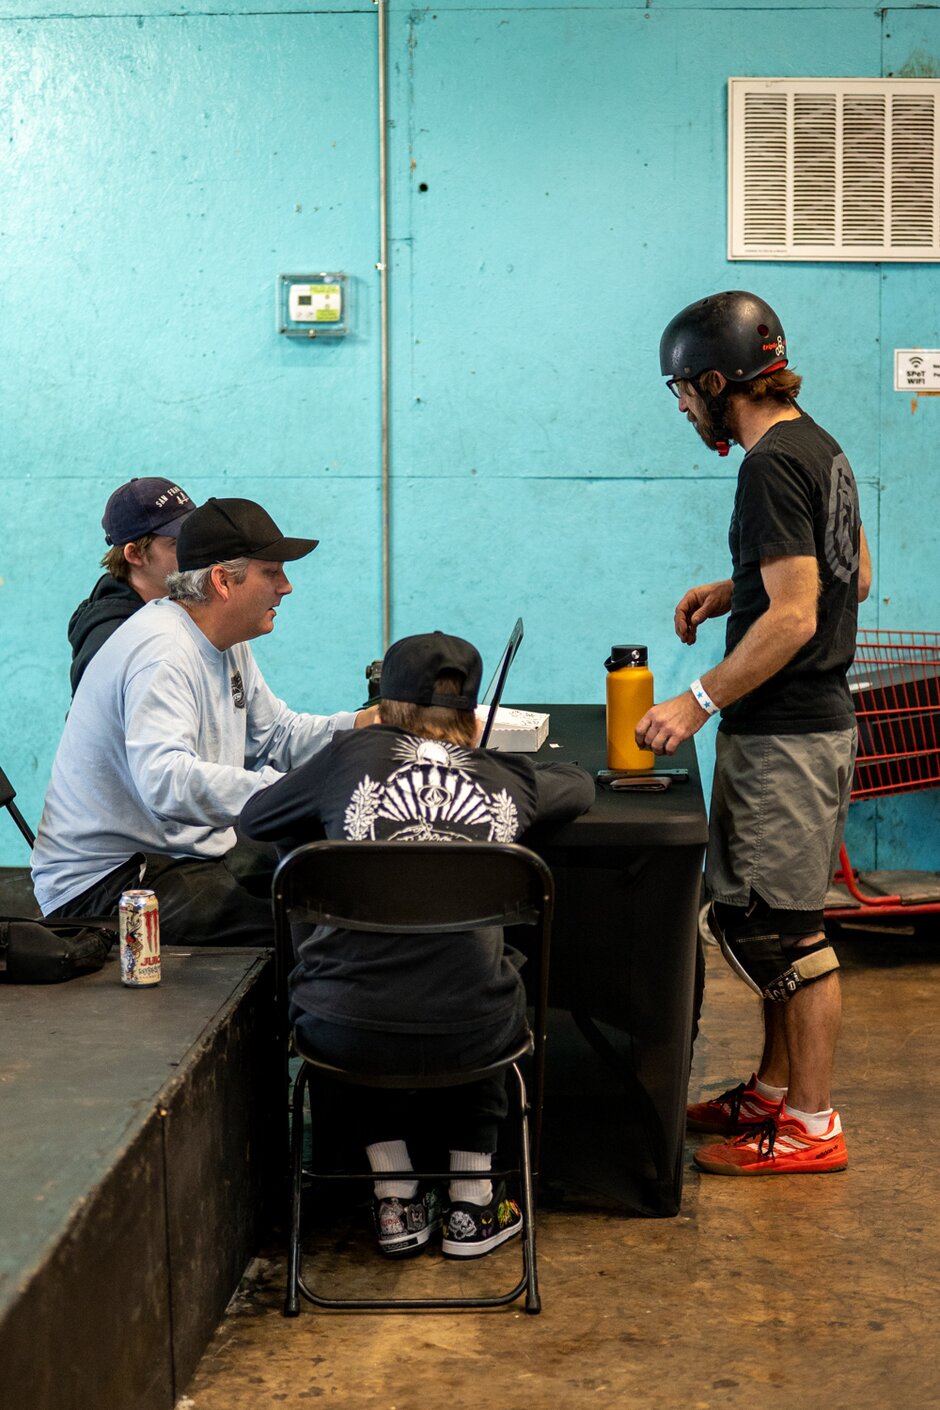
column 7, row 794
column 415, row 888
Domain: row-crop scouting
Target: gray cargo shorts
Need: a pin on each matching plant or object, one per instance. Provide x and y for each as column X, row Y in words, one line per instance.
column 779, row 803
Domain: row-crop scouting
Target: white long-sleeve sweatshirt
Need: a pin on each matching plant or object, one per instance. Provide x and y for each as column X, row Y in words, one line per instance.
column 166, row 740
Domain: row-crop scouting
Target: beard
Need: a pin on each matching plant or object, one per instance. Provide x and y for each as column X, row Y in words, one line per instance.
column 705, row 426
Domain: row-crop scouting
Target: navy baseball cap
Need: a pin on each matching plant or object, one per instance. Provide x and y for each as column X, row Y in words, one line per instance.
column 413, row 664
column 222, row 529
column 149, row 505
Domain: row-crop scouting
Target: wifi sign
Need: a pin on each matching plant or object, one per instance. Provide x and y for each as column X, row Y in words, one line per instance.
column 916, row 369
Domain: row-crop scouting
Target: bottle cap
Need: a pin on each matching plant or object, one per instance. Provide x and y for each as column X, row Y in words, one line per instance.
column 626, row 656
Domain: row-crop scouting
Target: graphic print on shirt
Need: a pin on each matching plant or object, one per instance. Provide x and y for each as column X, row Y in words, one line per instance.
column 433, row 797
column 841, row 544
column 238, row 690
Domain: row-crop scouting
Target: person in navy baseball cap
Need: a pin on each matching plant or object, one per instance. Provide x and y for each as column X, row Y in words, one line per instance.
column 146, row 505
column 141, row 521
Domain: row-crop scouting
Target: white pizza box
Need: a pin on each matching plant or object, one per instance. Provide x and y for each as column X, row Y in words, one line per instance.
column 517, row 731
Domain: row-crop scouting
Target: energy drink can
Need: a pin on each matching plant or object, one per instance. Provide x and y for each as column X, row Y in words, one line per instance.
column 139, row 929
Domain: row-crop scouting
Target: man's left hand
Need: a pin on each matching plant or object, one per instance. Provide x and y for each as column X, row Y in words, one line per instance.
column 665, row 726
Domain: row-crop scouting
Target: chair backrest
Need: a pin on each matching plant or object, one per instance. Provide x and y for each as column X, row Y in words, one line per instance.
column 414, row 887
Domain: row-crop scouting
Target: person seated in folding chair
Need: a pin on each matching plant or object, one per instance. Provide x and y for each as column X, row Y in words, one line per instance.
column 418, row 1003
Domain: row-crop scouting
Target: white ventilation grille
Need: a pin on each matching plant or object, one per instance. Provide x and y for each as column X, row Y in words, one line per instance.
column 845, row 169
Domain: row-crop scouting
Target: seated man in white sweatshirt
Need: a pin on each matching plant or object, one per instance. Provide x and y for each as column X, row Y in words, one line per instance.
column 170, row 733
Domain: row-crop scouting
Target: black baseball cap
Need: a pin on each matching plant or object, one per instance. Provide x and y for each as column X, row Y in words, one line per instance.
column 147, row 505
column 222, row 529
column 413, row 664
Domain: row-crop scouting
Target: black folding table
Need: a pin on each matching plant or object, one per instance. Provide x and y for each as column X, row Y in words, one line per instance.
column 623, row 976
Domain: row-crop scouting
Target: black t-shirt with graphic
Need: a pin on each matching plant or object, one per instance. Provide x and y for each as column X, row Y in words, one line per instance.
column 796, row 496
column 382, row 784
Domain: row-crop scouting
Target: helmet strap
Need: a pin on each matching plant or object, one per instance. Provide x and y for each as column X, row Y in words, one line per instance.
column 717, row 406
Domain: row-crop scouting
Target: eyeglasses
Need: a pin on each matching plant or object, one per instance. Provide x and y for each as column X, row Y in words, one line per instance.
column 679, row 385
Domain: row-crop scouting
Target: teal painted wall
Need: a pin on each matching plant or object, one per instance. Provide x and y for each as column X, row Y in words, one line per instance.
column 160, row 170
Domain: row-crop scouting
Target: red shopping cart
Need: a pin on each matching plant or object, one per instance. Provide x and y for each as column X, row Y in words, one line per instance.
column 895, row 681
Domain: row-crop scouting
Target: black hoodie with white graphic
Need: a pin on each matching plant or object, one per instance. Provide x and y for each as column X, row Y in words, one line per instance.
column 383, row 784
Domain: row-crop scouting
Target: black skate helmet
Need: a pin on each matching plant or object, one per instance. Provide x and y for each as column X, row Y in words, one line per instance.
column 736, row 333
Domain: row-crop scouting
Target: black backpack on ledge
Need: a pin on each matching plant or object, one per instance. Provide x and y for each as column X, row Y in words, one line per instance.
column 48, row 951
column 37, row 951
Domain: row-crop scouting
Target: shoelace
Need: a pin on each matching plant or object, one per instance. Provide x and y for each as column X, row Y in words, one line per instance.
column 733, row 1097
column 761, row 1132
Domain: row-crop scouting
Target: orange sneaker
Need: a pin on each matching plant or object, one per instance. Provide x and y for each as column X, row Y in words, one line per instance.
column 781, row 1145
column 733, row 1112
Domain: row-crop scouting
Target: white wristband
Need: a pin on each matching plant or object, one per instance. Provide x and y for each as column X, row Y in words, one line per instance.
column 708, row 705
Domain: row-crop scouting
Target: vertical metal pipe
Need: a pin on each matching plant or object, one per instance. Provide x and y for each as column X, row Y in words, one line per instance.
column 382, row 267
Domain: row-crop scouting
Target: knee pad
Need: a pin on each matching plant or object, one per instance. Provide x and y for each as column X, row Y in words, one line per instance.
column 760, row 944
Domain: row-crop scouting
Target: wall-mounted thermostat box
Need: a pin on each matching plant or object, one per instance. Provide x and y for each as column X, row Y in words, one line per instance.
column 313, row 305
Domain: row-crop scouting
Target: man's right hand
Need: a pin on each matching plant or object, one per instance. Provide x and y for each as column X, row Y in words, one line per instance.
column 700, row 603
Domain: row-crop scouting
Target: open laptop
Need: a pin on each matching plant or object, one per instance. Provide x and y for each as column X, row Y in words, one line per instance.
column 494, row 691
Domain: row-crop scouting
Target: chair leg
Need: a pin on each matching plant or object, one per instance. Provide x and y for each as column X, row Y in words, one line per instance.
column 292, row 1298
column 297, row 1287
column 533, row 1302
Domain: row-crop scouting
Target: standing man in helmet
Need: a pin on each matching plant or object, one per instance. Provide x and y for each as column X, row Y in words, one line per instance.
column 786, row 744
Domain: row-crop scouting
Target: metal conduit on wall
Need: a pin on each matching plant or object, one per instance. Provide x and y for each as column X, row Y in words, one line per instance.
column 382, row 267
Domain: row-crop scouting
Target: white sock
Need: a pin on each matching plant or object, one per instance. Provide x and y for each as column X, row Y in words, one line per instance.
column 391, row 1155
column 773, row 1094
column 816, row 1122
column 471, row 1191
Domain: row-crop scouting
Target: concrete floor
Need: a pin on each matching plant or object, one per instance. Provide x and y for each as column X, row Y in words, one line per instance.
column 813, row 1291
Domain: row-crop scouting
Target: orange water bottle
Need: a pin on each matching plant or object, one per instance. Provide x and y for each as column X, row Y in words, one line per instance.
column 629, row 696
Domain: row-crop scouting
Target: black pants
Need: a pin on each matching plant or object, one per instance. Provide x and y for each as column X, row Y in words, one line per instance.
column 463, row 1118
column 222, row 902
